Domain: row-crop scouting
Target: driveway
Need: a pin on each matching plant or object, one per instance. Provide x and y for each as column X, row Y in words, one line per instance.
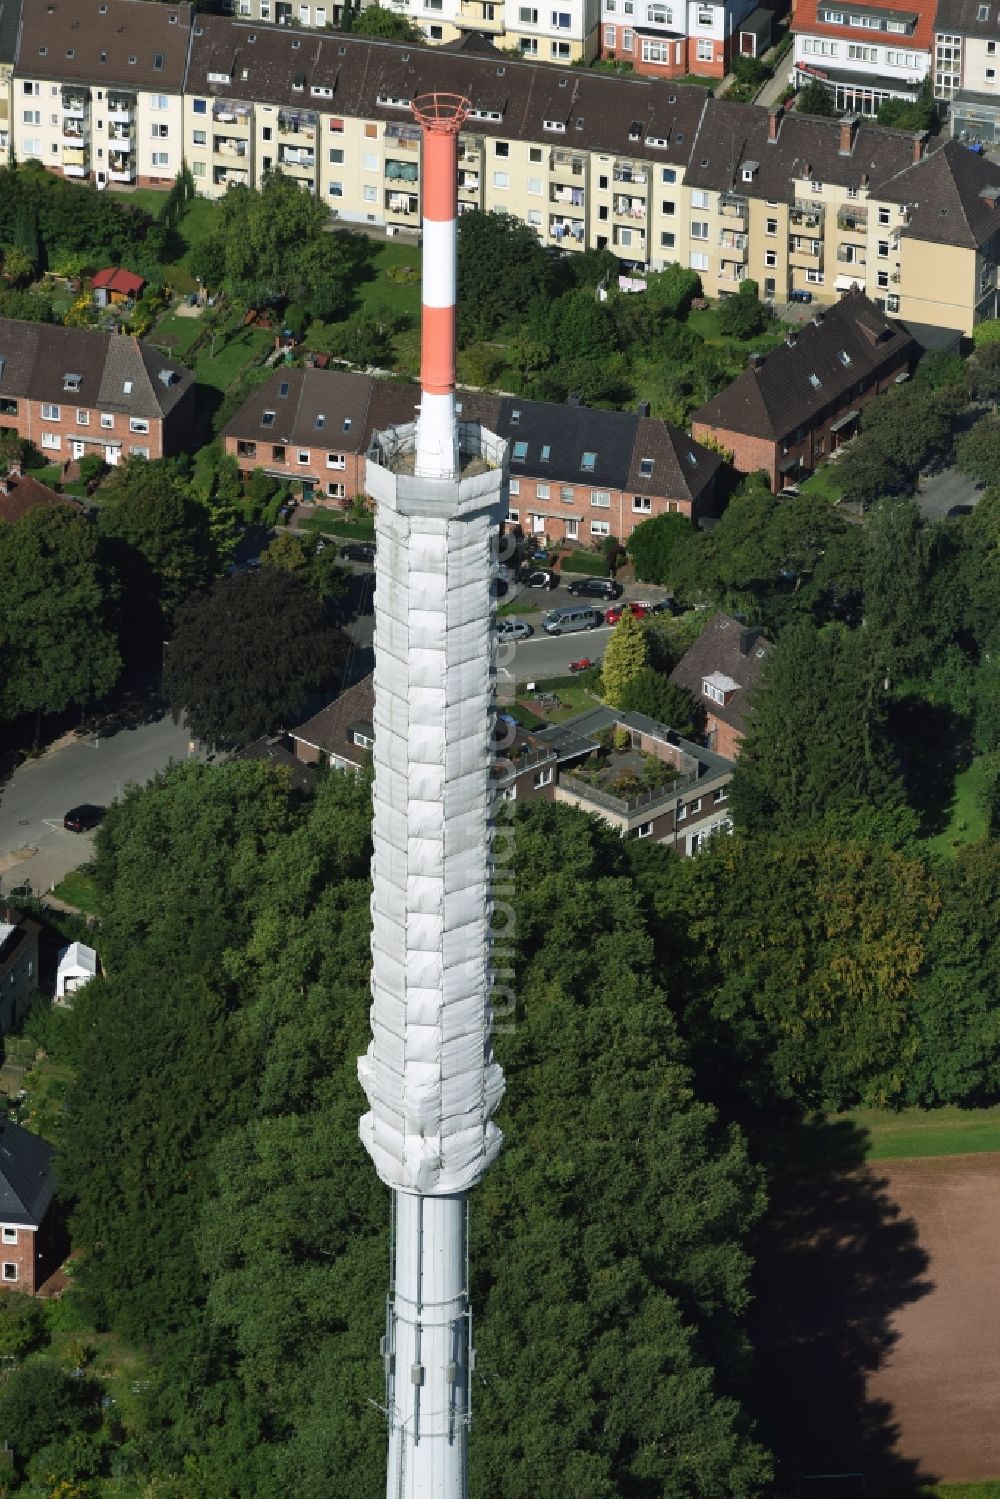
column 33, row 843
column 939, row 493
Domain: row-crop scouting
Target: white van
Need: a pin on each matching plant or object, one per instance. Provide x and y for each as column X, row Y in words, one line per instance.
column 573, row 617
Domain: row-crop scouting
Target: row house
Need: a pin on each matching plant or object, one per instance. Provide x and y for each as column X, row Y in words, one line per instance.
column 576, row 475
column 823, row 206
column 32, row 1236
column 74, row 391
column 562, row 31
column 650, row 169
column 792, row 408
column 862, row 54
column 585, row 164
column 98, row 89
column 671, row 38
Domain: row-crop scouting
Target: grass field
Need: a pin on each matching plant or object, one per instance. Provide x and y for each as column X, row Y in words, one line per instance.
column 705, row 321
column 584, row 562
column 175, row 334
column 198, row 220
column 968, row 820
column 988, row 1489
column 231, row 357
column 336, row 523
column 926, row 1132
column 824, row 482
column 388, row 298
column 78, row 890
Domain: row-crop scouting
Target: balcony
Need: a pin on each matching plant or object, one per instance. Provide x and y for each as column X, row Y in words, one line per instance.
column 75, row 140
column 732, row 239
column 297, row 159
column 468, row 182
column 298, row 124
column 121, row 138
column 121, row 107
column 120, row 171
column 732, row 271
column 854, row 220
column 633, row 172
column 806, row 215
column 805, row 255
column 630, row 208
column 229, row 176
column 567, row 231
column 735, row 209
column 74, row 163
column 402, row 205
column 570, row 195
column 483, row 15
column 401, row 171
column 229, row 145
column 847, row 255
column 628, row 238
column 567, row 164
column 225, row 113
column 74, row 104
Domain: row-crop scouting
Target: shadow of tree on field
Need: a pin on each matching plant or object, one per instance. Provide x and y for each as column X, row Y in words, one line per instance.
column 834, row 1261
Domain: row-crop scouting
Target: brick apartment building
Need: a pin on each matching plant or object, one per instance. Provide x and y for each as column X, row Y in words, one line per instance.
column 792, row 408
column 576, row 474
column 672, row 38
column 73, row 391
column 720, row 671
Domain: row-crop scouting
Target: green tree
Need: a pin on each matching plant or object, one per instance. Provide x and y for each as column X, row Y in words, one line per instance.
column 655, row 543
column 742, row 316
column 157, row 540
column 625, row 656
column 910, row 114
column 652, row 693
column 362, row 339
column 896, row 568
column 502, row 270
column 379, row 20
column 18, row 266
column 815, row 99
column 56, row 646
column 38, row 1403
column 978, row 451
column 246, row 655
column 817, row 739
column 22, row 1324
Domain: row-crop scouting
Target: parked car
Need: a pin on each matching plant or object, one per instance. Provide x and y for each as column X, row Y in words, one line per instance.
column 539, row 577
column 514, row 629
column 573, row 617
column 596, row 588
column 666, row 606
column 958, row 510
column 612, row 616
column 358, row 551
column 82, row 818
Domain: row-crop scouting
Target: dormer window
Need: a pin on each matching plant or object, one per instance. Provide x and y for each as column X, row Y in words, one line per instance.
column 158, row 60
column 347, row 424
column 71, row 382
column 558, row 125
column 545, row 453
column 267, row 420
column 814, row 380
column 520, row 452
column 127, row 388
column 646, row 468
column 635, row 130
column 515, row 417
column 588, row 462
column 843, row 356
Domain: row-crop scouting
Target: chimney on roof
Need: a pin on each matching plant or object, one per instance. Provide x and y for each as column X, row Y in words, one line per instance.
column 643, row 408
column 848, row 130
column 991, row 195
column 14, row 469
column 919, row 142
column 818, row 316
column 773, row 125
column 791, row 338
column 755, row 361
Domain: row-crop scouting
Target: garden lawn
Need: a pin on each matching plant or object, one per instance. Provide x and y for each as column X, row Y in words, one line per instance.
column 197, row 221
column 384, row 297
column 584, row 562
column 573, row 699
column 175, row 334
column 968, row 820
column 705, row 322
column 231, row 358
column 912, row 1133
column 79, row 890
column 824, row 482
column 336, row 523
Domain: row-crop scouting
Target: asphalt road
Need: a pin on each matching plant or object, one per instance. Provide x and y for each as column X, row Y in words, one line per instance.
column 939, row 493
column 37, row 796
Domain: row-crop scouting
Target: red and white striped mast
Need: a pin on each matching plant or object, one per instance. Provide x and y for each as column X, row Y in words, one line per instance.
column 441, row 117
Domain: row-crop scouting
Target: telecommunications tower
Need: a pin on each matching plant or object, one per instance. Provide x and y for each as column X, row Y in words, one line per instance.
column 429, row 1073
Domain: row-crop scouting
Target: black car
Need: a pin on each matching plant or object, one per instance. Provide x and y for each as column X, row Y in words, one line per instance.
column 358, row 551
column 539, row 577
column 82, row 818
column 596, row 588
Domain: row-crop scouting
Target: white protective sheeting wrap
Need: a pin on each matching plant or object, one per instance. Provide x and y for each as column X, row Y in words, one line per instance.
column 429, row 1074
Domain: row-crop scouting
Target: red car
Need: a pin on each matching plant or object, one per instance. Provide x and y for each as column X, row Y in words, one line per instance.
column 612, row 616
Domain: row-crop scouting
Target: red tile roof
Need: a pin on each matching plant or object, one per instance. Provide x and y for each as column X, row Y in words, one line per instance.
column 805, row 18
column 114, row 278
column 25, row 493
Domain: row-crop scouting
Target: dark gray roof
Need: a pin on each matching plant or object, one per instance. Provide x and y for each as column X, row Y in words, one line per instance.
column 577, row 736
column 26, row 1180
column 124, row 43
column 601, row 111
column 681, row 468
column 301, row 776
column 962, row 17
column 948, row 196
column 809, row 373
column 729, row 647
column 329, row 729
column 806, row 146
column 571, row 434
column 325, row 408
column 116, row 372
column 10, row 24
